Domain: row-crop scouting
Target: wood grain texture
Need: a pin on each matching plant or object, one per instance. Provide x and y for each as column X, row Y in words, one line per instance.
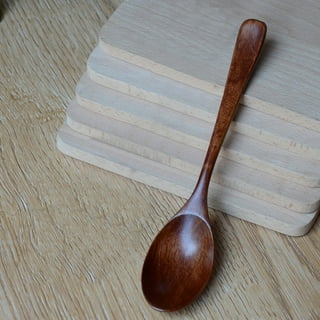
column 138, row 82
column 61, row 220
column 196, row 133
column 229, row 173
column 190, row 42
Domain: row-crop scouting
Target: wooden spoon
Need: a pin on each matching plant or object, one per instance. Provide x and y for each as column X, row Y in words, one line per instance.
column 180, row 260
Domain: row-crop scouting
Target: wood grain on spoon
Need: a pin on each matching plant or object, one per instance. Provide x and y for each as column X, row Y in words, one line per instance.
column 180, row 260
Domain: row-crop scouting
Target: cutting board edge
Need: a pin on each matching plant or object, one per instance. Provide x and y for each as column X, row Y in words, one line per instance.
column 81, row 125
column 100, row 107
column 284, row 228
column 255, row 103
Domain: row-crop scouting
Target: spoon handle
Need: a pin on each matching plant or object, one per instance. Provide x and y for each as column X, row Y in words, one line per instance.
column 247, row 48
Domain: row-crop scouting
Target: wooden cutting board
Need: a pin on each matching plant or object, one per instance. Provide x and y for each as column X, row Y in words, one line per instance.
column 162, row 65
column 135, row 81
column 192, row 42
column 178, row 182
column 228, row 173
column 196, row 133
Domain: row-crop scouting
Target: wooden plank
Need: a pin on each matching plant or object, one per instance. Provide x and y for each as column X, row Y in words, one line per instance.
column 196, row 133
column 228, row 173
column 136, row 81
column 176, row 181
column 193, row 42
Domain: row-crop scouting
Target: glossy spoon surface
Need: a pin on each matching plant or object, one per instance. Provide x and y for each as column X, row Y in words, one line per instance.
column 180, row 260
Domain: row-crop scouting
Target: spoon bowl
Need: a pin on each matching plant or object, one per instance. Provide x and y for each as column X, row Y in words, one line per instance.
column 180, row 260
column 173, row 278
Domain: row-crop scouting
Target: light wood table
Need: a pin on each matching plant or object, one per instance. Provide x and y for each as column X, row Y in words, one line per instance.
column 73, row 237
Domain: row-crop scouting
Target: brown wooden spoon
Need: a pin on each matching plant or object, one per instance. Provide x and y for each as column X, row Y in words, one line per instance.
column 180, row 260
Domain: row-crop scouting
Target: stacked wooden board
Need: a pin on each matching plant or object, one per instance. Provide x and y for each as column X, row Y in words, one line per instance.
column 146, row 106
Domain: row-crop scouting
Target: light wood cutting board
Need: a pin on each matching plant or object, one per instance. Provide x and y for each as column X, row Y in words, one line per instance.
column 191, row 131
column 176, row 181
column 141, row 83
column 228, row 173
column 192, row 42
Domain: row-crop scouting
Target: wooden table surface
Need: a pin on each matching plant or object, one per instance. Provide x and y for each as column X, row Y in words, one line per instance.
column 73, row 237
